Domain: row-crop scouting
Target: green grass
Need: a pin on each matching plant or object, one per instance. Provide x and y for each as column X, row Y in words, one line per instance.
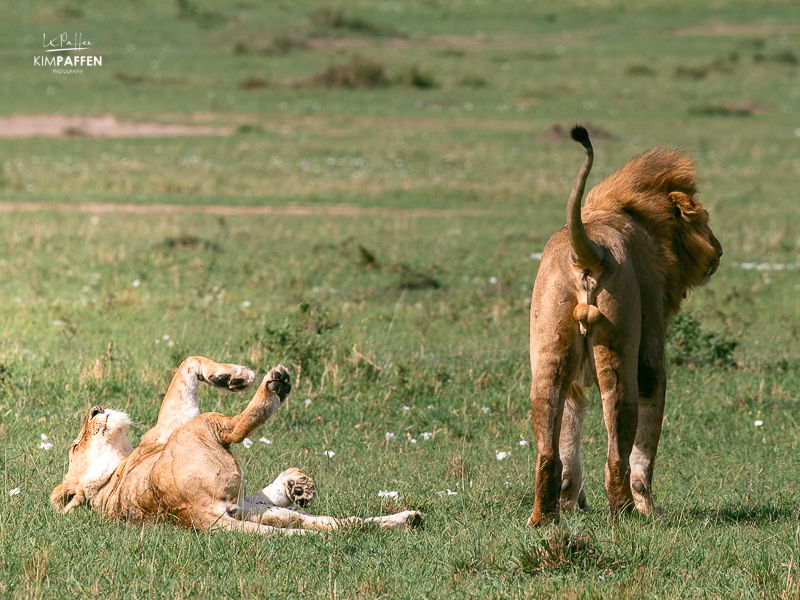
column 436, row 306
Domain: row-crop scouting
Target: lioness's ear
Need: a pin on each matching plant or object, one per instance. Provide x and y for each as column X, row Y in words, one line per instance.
column 66, row 497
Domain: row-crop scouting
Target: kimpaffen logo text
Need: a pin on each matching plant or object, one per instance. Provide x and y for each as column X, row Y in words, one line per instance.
column 63, row 43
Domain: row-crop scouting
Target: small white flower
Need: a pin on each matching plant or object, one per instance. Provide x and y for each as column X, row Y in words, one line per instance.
column 246, row 304
column 136, row 283
column 265, row 441
column 329, row 453
column 492, row 280
column 406, row 408
column 44, row 438
column 166, row 337
column 387, row 494
column 758, row 423
column 95, row 220
column 506, row 483
column 418, row 305
column 247, row 442
column 307, row 401
column 58, row 322
column 502, row 455
column 486, row 409
column 390, row 436
column 171, row 343
column 14, row 492
column 524, row 443
column 426, row 435
column 413, row 441
column 431, row 407
column 46, row 446
column 536, row 256
column 447, row 492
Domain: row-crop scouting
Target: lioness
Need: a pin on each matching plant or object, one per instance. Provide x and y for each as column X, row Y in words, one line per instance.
column 183, row 469
column 607, row 284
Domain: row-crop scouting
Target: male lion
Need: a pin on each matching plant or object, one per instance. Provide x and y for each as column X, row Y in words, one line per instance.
column 183, row 469
column 607, row 284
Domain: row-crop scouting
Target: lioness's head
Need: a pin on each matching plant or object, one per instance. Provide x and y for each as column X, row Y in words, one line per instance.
column 93, row 457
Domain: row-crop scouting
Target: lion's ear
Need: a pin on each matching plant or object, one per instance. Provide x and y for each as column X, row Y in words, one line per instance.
column 66, row 497
column 686, row 207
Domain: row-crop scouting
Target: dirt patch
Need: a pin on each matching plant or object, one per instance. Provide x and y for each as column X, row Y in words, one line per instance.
column 106, row 126
column 435, row 41
column 560, row 133
column 736, row 109
column 95, row 208
column 204, row 123
column 734, row 30
column 254, row 83
column 454, row 41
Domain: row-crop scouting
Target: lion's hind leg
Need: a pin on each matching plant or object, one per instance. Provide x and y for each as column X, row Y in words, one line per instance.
column 554, row 365
column 180, row 403
column 652, row 392
column 569, row 446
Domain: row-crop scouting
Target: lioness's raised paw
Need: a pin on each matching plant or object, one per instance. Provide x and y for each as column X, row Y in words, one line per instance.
column 279, row 382
column 235, row 379
column 300, row 488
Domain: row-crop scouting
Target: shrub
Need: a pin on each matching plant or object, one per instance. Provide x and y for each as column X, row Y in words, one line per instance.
column 689, row 344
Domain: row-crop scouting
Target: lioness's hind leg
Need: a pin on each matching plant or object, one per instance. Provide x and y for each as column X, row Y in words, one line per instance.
column 290, row 487
column 180, row 403
column 269, row 397
column 226, row 523
column 569, row 446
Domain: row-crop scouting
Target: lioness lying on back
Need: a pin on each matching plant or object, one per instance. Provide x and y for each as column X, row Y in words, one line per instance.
column 183, row 468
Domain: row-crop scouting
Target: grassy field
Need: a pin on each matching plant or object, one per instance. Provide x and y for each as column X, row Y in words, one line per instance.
column 393, row 322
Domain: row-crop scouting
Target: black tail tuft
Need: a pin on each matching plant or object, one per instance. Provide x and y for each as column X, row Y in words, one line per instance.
column 579, row 134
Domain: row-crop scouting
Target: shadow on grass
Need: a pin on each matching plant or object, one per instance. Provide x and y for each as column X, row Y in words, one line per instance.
column 758, row 514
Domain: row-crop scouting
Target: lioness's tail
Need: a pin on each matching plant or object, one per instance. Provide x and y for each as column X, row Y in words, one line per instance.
column 589, row 255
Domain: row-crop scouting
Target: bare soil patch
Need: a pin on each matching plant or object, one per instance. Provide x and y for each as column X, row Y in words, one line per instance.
column 734, row 30
column 106, row 126
column 347, row 42
column 342, row 210
column 560, row 133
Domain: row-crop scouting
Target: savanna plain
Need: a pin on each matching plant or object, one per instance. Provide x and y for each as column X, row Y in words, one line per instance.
column 369, row 209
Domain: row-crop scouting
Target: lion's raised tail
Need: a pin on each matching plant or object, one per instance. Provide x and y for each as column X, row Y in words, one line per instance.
column 588, row 254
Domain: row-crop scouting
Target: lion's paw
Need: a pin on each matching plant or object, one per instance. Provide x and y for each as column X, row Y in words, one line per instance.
column 279, row 382
column 300, row 488
column 235, row 379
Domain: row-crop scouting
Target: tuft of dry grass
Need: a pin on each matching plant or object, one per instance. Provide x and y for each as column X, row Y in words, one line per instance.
column 358, row 72
column 562, row 550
